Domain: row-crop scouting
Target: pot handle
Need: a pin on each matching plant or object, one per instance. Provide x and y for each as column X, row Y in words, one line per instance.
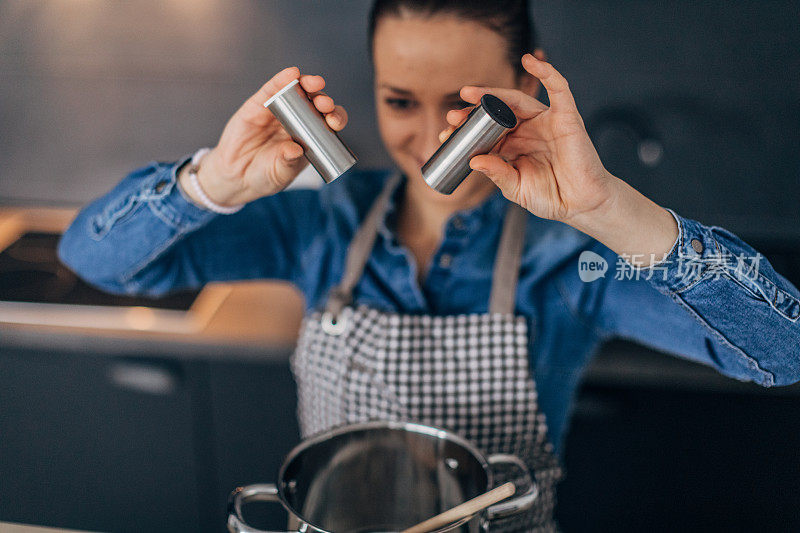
column 251, row 493
column 520, row 503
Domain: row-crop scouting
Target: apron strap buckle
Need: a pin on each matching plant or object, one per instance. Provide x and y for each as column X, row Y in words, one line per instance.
column 333, row 325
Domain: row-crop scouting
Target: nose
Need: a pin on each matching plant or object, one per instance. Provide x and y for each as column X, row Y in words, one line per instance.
column 435, row 122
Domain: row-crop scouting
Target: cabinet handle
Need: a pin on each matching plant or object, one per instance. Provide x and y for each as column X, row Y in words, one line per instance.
column 141, row 377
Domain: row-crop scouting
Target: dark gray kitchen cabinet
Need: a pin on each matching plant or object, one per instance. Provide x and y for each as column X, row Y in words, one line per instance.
column 107, row 443
column 99, row 443
column 658, row 459
column 255, row 425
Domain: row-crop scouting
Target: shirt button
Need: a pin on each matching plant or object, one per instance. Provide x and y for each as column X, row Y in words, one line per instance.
column 445, row 260
column 697, row 246
column 458, row 223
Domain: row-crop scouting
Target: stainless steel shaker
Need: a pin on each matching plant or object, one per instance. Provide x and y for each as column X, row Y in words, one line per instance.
column 485, row 125
column 322, row 146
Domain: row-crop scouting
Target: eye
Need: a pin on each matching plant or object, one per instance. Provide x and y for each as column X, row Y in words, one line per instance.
column 400, row 104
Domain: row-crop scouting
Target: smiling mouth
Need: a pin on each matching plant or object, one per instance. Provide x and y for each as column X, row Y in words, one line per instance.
column 417, row 162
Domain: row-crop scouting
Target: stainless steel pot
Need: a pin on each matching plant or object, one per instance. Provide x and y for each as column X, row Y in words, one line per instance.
column 382, row 477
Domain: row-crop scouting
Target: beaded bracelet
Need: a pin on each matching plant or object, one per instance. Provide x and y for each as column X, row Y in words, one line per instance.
column 207, row 202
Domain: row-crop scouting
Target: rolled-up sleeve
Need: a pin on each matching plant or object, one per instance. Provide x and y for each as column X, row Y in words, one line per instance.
column 716, row 300
column 146, row 237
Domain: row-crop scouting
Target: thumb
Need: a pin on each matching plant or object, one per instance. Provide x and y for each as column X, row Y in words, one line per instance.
column 289, row 161
column 502, row 173
column 291, row 152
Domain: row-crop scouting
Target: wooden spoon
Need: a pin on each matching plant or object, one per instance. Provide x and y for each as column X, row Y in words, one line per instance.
column 478, row 503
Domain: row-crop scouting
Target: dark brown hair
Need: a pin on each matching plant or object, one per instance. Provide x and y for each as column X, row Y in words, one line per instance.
column 509, row 18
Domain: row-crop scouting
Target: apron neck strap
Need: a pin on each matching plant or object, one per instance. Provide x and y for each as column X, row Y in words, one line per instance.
column 360, row 248
column 506, row 265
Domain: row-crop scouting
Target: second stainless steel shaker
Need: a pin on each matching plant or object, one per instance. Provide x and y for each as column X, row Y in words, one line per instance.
column 449, row 165
column 322, row 146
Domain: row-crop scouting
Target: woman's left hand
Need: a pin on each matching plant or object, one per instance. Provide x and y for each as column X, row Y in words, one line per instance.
column 547, row 164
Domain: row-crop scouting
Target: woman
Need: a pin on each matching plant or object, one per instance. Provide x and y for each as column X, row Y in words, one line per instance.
column 462, row 311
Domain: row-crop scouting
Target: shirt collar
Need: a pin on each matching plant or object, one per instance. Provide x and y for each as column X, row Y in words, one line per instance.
column 491, row 209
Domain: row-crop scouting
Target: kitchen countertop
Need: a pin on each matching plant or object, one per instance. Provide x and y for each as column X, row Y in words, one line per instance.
column 251, row 315
column 7, row 527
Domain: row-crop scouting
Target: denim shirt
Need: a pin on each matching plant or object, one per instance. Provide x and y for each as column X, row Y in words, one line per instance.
column 145, row 237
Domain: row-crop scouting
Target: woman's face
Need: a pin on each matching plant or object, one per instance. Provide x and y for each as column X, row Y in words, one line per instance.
column 421, row 63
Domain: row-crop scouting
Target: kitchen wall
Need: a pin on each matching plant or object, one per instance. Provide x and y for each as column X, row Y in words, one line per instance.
column 696, row 104
column 92, row 89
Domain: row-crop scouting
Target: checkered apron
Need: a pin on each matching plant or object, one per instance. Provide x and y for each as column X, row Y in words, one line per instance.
column 469, row 374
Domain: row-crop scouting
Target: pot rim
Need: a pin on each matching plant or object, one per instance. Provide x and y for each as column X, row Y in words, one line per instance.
column 411, row 427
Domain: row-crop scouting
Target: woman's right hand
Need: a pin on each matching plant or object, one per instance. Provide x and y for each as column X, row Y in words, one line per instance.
column 255, row 157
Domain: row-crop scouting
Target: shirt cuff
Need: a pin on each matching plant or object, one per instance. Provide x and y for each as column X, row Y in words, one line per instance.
column 694, row 251
column 166, row 199
column 700, row 253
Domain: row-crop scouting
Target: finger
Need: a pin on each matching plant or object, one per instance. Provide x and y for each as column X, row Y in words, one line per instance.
column 512, row 147
column 323, row 103
column 287, row 165
column 275, row 84
column 503, row 174
column 337, row 119
column 290, row 151
column 282, row 168
column 456, row 116
column 556, row 85
column 523, row 105
column 446, row 133
column 312, row 83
